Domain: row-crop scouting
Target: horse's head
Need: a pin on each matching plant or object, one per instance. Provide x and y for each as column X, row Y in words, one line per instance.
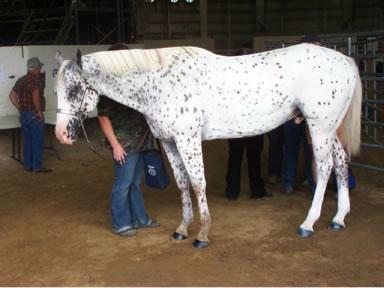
column 75, row 99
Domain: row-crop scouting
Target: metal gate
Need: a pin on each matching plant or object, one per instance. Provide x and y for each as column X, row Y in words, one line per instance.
column 368, row 51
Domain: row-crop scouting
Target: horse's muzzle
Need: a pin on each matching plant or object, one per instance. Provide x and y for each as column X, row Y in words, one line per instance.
column 72, row 128
column 67, row 134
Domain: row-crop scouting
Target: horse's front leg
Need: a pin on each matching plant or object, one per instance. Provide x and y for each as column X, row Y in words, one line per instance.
column 189, row 147
column 341, row 172
column 322, row 151
column 182, row 181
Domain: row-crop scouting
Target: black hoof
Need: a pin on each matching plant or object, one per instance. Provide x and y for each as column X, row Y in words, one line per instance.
column 304, row 233
column 335, row 226
column 199, row 244
column 178, row 236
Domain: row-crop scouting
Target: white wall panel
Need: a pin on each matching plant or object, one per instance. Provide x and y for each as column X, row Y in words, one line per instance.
column 13, row 64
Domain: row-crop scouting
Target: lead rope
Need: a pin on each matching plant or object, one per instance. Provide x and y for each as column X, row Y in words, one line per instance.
column 90, row 145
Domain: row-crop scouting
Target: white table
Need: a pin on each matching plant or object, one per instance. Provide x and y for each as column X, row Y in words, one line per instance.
column 11, row 122
column 50, row 117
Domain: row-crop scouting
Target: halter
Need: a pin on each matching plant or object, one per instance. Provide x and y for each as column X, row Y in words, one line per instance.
column 81, row 116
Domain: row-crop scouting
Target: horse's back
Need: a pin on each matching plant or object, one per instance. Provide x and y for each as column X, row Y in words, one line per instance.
column 253, row 94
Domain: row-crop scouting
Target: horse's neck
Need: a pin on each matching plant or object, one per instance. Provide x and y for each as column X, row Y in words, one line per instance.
column 126, row 91
column 121, row 91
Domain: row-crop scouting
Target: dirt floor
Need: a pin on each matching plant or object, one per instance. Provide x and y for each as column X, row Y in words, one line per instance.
column 55, row 230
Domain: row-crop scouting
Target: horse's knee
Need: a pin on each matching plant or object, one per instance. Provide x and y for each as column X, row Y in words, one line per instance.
column 183, row 186
column 198, row 186
column 182, row 180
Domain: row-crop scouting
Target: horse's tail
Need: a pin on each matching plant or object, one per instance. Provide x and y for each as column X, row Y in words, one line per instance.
column 352, row 121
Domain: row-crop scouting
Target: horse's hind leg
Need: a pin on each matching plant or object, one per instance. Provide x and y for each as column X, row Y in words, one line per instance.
column 322, row 149
column 341, row 172
column 190, row 150
column 183, row 183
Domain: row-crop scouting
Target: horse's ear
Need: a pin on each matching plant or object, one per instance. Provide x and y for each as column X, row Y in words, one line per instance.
column 59, row 57
column 78, row 58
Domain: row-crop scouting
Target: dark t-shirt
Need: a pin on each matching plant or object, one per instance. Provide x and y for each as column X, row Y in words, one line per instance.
column 130, row 127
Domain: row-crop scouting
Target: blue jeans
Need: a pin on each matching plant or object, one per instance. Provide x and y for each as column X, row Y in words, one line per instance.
column 33, row 135
column 294, row 134
column 127, row 203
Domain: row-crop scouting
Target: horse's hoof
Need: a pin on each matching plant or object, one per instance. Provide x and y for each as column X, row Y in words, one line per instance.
column 200, row 244
column 335, row 226
column 304, row 233
column 178, row 236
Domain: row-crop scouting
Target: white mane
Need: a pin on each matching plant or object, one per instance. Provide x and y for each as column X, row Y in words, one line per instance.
column 140, row 60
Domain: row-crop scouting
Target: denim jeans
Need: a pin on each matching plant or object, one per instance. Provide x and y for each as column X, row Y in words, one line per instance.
column 33, row 135
column 127, row 203
column 294, row 134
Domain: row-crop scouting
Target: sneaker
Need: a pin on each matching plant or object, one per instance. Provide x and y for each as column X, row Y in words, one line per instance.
column 127, row 233
column 151, row 223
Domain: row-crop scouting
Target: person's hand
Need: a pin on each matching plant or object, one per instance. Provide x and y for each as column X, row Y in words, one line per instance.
column 40, row 116
column 119, row 154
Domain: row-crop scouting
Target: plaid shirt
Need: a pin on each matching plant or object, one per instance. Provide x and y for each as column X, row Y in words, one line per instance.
column 24, row 87
column 130, row 127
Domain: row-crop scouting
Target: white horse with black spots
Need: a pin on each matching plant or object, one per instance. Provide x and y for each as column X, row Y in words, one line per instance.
column 188, row 95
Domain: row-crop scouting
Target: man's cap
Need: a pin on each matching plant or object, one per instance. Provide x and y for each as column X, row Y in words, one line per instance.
column 310, row 38
column 34, row 63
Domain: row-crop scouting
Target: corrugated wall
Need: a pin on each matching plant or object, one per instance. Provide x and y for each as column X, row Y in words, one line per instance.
column 233, row 23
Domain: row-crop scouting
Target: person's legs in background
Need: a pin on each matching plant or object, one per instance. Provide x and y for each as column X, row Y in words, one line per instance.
column 308, row 160
column 254, row 146
column 275, row 154
column 236, row 148
column 292, row 138
column 25, row 121
column 37, row 130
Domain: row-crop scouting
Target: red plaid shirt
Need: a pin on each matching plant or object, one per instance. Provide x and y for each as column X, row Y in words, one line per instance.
column 24, row 87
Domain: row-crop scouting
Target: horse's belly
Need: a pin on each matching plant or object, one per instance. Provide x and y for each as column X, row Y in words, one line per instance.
column 233, row 125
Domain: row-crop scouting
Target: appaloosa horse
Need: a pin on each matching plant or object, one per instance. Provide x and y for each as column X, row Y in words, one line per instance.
column 188, row 95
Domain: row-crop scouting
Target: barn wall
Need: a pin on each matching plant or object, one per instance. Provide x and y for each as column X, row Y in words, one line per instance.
column 233, row 24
